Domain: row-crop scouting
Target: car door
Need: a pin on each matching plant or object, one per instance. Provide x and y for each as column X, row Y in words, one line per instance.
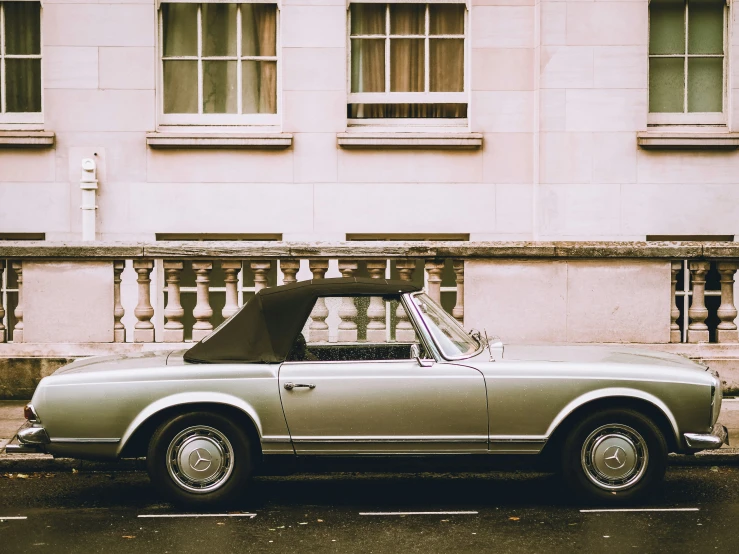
column 384, row 406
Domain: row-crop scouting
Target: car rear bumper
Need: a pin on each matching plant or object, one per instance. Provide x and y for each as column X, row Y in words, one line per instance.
column 30, row 438
column 718, row 436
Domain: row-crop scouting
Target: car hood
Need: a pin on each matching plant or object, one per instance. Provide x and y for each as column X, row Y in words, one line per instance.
column 597, row 354
column 139, row 360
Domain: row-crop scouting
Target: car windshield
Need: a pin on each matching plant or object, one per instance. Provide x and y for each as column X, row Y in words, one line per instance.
column 449, row 335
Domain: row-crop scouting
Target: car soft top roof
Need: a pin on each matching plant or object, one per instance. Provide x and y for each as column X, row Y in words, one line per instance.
column 265, row 328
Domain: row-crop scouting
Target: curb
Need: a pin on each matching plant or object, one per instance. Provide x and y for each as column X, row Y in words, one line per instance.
column 30, row 463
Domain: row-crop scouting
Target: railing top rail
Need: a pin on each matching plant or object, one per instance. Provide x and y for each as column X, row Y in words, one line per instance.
column 365, row 249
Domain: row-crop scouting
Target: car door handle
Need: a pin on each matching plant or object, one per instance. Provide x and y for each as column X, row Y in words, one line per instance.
column 291, row 386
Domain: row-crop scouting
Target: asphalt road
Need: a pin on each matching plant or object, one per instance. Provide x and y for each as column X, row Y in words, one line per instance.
column 509, row 512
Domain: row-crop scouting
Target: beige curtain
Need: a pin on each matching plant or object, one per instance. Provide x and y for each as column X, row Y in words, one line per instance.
column 258, row 38
column 180, row 38
column 219, row 76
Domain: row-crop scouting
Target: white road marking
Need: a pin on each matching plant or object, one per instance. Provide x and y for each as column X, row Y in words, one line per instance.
column 414, row 513
column 641, row 510
column 250, row 516
column 12, row 517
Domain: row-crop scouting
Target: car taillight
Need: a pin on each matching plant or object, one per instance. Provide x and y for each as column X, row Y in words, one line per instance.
column 29, row 413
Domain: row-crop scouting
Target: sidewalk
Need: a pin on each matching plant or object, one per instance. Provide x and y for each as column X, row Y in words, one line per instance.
column 11, row 418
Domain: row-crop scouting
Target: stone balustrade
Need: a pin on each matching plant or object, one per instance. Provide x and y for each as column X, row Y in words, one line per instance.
column 182, row 290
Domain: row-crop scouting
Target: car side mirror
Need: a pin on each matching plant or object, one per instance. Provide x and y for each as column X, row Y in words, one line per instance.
column 416, row 355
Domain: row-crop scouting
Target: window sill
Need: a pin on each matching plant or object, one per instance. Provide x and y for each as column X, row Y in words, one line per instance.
column 652, row 140
column 254, row 141
column 416, row 140
column 26, row 139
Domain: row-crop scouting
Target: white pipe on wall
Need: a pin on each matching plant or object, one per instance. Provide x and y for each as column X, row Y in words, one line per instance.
column 89, row 186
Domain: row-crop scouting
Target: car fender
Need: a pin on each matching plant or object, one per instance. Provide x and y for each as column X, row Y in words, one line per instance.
column 613, row 392
column 189, row 398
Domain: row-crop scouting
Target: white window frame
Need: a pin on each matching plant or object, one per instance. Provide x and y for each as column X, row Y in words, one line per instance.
column 20, row 119
column 203, row 121
column 426, row 97
column 685, row 117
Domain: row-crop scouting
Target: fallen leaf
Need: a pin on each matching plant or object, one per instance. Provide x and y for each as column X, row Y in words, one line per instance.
column 513, row 518
column 303, row 523
column 319, row 520
column 74, row 470
column 22, row 476
column 220, row 523
column 714, row 468
column 129, row 536
column 444, row 520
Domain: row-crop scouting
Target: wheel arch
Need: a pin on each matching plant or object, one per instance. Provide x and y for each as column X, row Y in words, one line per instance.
column 136, row 439
column 643, row 402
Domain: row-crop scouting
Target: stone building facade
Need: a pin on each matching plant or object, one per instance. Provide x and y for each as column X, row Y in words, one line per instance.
column 332, row 120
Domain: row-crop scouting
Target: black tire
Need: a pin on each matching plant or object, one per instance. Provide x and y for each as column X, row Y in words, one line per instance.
column 596, row 447
column 218, row 457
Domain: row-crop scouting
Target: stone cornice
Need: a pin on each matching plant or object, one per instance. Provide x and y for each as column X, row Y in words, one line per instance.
column 654, row 140
column 26, row 139
column 366, row 250
column 414, row 140
column 255, row 141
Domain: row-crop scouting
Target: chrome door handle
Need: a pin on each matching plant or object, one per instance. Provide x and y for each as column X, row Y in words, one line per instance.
column 291, row 386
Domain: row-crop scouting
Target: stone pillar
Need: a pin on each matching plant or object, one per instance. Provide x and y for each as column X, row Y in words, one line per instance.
column 144, row 329
column 119, row 331
column 727, row 331
column 404, row 330
column 698, row 330
column 202, row 312
column 231, row 270
column 348, row 310
column 458, row 311
column 675, row 335
column 289, row 270
column 18, row 313
column 318, row 327
column 2, row 310
column 376, row 327
column 260, row 269
column 174, row 330
column 434, row 269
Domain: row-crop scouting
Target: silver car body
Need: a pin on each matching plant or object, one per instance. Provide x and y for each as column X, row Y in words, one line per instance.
column 499, row 401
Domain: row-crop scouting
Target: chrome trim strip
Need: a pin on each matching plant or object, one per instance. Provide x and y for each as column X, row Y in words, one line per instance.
column 715, row 439
column 85, row 441
column 475, row 439
column 528, row 441
column 276, row 439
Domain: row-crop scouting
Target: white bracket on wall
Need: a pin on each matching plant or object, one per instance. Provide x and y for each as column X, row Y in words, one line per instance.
column 89, row 187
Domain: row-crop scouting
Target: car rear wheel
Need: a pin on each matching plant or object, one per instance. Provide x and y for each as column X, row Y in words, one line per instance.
column 614, row 456
column 199, row 459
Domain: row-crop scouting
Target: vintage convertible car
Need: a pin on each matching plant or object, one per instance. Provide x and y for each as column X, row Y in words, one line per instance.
column 369, row 367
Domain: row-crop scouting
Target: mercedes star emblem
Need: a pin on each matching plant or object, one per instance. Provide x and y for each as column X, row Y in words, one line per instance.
column 614, row 457
column 200, row 459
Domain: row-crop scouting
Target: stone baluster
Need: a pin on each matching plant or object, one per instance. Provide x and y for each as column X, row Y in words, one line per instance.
column 202, row 312
column 289, row 270
column 348, row 310
column 458, row 311
column 174, row 330
column 318, row 328
column 376, row 327
column 404, row 330
column 727, row 331
column 143, row 331
column 434, row 269
column 2, row 310
column 697, row 329
column 675, row 335
column 231, row 270
column 18, row 329
column 119, row 331
column 260, row 269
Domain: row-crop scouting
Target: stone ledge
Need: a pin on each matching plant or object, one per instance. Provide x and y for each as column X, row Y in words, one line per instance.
column 419, row 140
column 256, row 141
column 653, row 140
column 26, row 139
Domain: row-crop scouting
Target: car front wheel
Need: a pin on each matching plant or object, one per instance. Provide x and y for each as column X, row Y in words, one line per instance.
column 199, row 459
column 614, row 456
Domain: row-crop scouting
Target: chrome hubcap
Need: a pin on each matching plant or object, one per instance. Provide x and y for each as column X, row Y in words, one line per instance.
column 614, row 457
column 200, row 459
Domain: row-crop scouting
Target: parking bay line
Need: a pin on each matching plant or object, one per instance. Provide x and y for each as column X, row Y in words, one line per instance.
column 250, row 516
column 12, row 517
column 416, row 513
column 640, row 510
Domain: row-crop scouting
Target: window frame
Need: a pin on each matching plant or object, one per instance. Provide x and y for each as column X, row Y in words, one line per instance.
column 203, row 121
column 685, row 117
column 426, row 97
column 20, row 120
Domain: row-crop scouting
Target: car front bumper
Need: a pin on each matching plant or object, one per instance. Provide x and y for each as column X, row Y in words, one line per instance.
column 697, row 441
column 30, row 438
